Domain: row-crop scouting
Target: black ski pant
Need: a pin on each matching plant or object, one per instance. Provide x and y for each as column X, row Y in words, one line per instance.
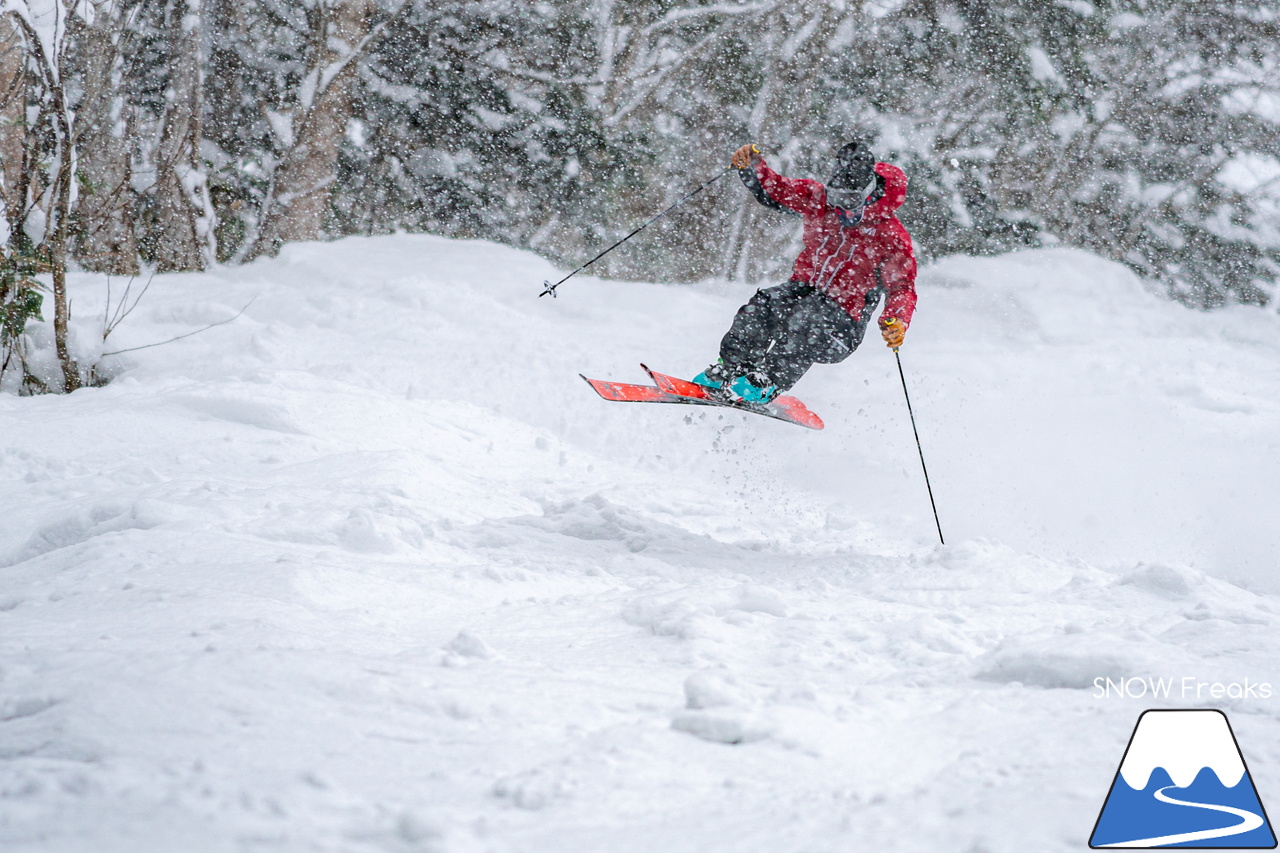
column 782, row 331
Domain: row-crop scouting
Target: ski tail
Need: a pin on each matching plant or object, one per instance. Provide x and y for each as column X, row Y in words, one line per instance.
column 625, row 392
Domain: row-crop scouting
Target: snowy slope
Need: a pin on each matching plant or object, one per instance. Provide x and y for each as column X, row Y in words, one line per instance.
column 370, row 568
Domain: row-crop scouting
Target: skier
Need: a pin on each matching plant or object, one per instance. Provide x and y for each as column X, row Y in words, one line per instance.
column 855, row 252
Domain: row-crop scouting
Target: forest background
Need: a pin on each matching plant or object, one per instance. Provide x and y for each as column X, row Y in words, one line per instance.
column 174, row 134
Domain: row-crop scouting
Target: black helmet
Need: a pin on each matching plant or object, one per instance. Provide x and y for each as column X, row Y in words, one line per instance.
column 855, row 175
column 855, row 166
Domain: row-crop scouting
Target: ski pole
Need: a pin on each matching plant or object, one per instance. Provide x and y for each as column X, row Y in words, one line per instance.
column 551, row 288
column 919, row 449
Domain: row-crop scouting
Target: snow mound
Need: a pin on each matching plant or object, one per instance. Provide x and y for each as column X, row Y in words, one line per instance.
column 370, row 568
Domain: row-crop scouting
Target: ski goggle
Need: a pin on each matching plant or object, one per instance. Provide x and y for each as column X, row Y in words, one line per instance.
column 850, row 199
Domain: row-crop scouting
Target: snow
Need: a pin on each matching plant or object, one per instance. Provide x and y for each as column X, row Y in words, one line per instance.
column 1252, row 173
column 370, row 568
column 1081, row 7
column 1041, row 66
column 46, row 20
column 281, row 125
column 1127, row 21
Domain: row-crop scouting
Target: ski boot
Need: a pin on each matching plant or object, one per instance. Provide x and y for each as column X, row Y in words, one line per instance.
column 736, row 384
column 715, row 376
column 753, row 387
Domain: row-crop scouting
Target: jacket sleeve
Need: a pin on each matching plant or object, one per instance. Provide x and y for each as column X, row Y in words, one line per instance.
column 752, row 182
column 898, row 275
column 798, row 194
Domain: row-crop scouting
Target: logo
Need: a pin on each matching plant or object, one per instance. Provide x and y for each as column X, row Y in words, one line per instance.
column 1182, row 783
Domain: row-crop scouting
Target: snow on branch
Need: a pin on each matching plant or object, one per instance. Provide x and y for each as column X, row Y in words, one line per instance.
column 661, row 76
column 44, row 26
column 315, row 87
column 686, row 15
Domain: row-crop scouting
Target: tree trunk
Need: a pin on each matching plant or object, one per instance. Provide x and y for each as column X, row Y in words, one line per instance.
column 230, row 107
column 13, row 127
column 105, row 238
column 61, row 317
column 183, row 231
column 57, row 237
column 299, row 197
column 226, row 110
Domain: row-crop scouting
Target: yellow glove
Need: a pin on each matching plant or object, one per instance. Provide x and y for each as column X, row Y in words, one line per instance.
column 893, row 331
column 745, row 157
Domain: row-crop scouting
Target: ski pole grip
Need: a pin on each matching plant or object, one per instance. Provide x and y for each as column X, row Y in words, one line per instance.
column 890, row 323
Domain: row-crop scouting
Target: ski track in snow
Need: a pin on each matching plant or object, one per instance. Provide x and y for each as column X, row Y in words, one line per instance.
column 370, row 569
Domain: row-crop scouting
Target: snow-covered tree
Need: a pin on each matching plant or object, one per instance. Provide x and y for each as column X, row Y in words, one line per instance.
column 1106, row 125
column 105, row 235
column 183, row 219
column 180, row 132
column 312, row 123
column 38, row 204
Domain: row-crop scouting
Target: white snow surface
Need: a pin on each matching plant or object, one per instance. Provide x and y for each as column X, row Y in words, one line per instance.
column 1183, row 743
column 371, row 569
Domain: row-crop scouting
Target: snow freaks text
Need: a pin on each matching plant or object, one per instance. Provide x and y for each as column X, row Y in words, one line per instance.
column 1187, row 687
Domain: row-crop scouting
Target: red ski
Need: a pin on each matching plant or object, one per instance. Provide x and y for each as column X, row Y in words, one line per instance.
column 669, row 389
column 625, row 392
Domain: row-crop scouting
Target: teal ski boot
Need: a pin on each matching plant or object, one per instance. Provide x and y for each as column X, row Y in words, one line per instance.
column 714, row 377
column 754, row 387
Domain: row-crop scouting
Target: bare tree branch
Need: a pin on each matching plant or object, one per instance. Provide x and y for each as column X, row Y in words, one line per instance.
column 187, row 335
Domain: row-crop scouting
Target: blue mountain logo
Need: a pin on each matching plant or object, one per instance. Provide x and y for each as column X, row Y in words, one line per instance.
column 1183, row 783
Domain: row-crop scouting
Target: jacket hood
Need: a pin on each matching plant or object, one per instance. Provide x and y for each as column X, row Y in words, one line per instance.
column 895, row 193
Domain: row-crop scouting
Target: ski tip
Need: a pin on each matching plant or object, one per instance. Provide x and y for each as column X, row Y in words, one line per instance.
column 597, row 385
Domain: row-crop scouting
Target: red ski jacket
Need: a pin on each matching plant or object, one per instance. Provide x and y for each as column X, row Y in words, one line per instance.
column 843, row 262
